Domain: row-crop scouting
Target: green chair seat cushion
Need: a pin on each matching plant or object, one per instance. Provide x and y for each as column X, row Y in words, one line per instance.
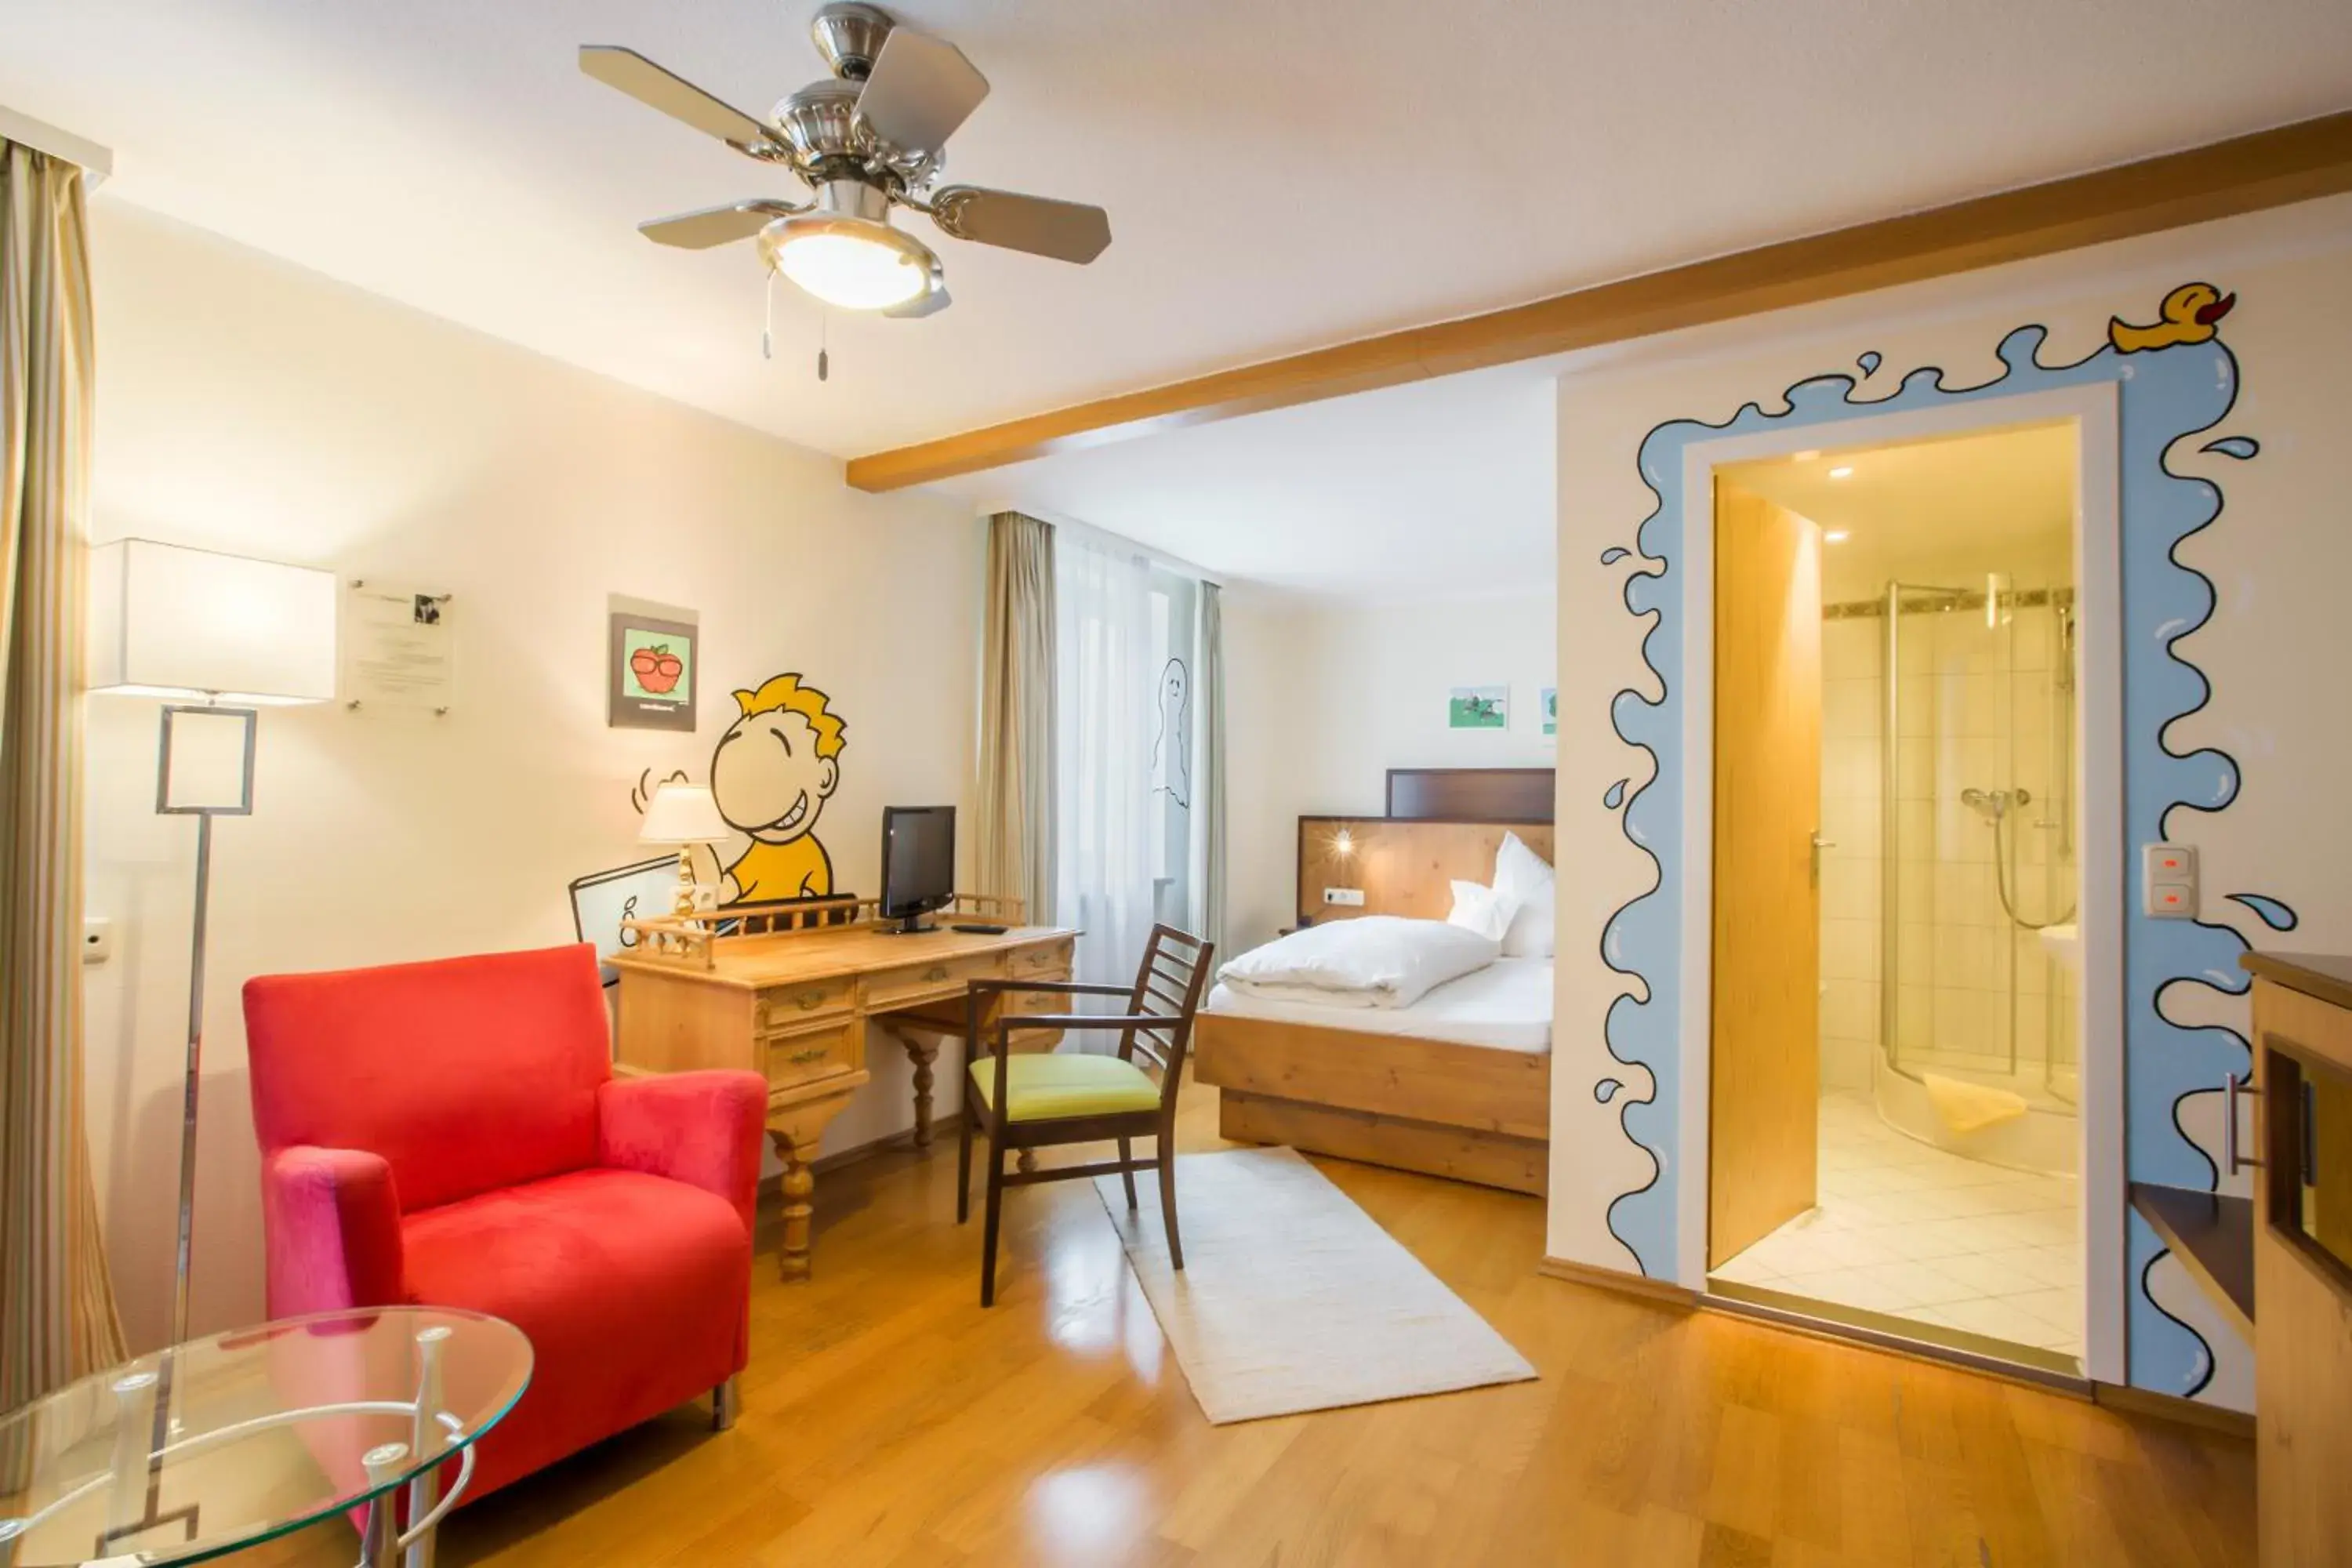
column 1049, row 1086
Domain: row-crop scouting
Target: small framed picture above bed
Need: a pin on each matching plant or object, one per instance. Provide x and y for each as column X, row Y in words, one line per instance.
column 1479, row 708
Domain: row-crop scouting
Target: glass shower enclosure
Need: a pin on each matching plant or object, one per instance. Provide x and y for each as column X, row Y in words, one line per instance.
column 1977, row 877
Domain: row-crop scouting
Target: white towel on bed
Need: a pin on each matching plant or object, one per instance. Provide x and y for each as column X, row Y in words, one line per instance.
column 1379, row 961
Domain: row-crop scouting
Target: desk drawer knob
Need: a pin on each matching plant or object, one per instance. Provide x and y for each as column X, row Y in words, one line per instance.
column 809, row 1001
column 936, row 972
column 813, row 1054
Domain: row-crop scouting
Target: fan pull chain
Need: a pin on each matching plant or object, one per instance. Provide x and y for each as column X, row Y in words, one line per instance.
column 824, row 360
column 768, row 326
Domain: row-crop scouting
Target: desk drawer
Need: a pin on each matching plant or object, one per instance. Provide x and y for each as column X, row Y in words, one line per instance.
column 1046, row 961
column 818, row 1051
column 923, row 981
column 789, row 1007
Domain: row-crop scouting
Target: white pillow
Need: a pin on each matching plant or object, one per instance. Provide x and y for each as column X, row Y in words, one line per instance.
column 1525, row 878
column 1480, row 909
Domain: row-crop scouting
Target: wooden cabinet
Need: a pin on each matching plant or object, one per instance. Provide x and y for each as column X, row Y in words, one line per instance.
column 2303, row 1259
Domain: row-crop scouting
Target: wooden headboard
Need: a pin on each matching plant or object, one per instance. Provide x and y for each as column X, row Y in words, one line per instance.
column 1401, row 868
column 1470, row 794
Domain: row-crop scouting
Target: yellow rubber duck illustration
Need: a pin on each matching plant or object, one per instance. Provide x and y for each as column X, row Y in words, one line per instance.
column 2190, row 314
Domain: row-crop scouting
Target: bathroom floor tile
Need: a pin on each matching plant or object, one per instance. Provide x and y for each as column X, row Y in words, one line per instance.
column 1923, row 1234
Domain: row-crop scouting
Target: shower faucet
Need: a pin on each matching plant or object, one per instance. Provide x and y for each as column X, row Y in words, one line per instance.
column 1992, row 805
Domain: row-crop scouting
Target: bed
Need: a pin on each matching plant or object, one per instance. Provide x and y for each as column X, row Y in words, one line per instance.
column 1457, row 1083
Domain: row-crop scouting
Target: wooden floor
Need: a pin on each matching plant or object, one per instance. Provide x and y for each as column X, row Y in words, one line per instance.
column 888, row 1420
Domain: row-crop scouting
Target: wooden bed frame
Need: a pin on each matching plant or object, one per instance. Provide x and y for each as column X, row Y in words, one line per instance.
column 1471, row 1112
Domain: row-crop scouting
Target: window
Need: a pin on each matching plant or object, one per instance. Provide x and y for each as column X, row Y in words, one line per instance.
column 1125, row 745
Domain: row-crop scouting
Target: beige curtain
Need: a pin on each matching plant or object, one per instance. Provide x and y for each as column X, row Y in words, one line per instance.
column 1015, row 852
column 1209, row 774
column 58, row 1320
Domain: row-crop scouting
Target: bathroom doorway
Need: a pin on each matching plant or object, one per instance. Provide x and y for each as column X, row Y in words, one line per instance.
column 1896, row 1080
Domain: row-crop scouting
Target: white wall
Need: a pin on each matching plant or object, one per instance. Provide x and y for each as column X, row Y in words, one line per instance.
column 1325, row 699
column 248, row 406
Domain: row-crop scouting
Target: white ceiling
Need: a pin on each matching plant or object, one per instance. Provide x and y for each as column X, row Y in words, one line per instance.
column 1438, row 489
column 1281, row 174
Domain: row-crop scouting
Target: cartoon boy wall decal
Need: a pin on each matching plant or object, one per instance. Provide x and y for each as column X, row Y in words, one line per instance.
column 770, row 775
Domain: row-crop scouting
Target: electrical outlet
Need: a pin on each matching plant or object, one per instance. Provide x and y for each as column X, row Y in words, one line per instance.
column 1352, row 897
column 97, row 938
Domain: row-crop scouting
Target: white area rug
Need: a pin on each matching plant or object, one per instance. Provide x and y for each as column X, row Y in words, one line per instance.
column 1291, row 1297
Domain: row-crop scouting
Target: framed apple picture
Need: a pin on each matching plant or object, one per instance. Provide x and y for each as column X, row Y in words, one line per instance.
column 651, row 682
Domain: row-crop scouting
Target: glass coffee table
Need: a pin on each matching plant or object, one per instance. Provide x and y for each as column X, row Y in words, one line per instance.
column 222, row 1443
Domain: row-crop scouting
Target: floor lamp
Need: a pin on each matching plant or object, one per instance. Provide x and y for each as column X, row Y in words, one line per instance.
column 217, row 637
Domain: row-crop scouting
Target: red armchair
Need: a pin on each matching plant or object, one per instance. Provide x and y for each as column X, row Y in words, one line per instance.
column 451, row 1134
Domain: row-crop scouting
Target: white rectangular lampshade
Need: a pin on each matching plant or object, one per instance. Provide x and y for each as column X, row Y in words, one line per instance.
column 168, row 621
column 683, row 814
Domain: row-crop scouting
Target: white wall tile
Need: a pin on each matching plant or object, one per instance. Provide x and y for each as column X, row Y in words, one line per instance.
column 1848, row 888
column 1961, row 893
column 1914, row 825
column 1850, row 706
column 1850, row 647
column 1849, row 948
column 1914, row 1016
column 1849, row 822
column 1915, row 714
column 1850, row 1010
column 1915, row 769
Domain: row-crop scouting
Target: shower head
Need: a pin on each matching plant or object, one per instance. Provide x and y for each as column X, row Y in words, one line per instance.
column 1990, row 805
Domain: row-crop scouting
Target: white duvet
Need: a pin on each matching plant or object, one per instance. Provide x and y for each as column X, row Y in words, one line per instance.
column 1379, row 960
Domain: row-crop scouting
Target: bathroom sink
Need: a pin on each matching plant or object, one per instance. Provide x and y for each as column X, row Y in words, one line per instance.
column 2063, row 943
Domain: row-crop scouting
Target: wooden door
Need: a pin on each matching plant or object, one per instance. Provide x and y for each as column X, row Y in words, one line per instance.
column 1765, row 1094
column 2302, row 1279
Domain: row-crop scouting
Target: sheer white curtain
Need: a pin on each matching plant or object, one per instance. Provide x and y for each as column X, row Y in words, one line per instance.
column 1106, row 689
column 1209, row 775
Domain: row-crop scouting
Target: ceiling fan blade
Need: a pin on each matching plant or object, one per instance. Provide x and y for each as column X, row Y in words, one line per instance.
column 921, row 89
column 716, row 225
column 675, row 96
column 1066, row 231
column 926, row 304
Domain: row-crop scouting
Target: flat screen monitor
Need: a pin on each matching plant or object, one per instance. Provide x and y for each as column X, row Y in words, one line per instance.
column 917, row 862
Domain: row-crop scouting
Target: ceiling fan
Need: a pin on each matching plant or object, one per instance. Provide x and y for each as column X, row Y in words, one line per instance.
column 868, row 139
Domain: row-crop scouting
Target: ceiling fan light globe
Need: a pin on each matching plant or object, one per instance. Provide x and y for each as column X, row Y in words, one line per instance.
column 851, row 264
column 851, row 274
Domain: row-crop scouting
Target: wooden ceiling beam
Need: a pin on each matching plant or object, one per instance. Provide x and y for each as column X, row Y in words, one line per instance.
column 2248, row 173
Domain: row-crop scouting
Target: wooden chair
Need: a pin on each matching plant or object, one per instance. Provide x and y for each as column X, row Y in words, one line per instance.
column 1036, row 1100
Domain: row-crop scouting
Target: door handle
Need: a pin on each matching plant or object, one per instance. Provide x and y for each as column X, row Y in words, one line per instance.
column 1820, row 844
column 2233, row 1086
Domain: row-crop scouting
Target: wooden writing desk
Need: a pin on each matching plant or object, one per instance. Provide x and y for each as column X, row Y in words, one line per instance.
column 796, row 1005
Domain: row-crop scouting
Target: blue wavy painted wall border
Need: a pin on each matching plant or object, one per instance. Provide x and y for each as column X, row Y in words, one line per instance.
column 2163, row 395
